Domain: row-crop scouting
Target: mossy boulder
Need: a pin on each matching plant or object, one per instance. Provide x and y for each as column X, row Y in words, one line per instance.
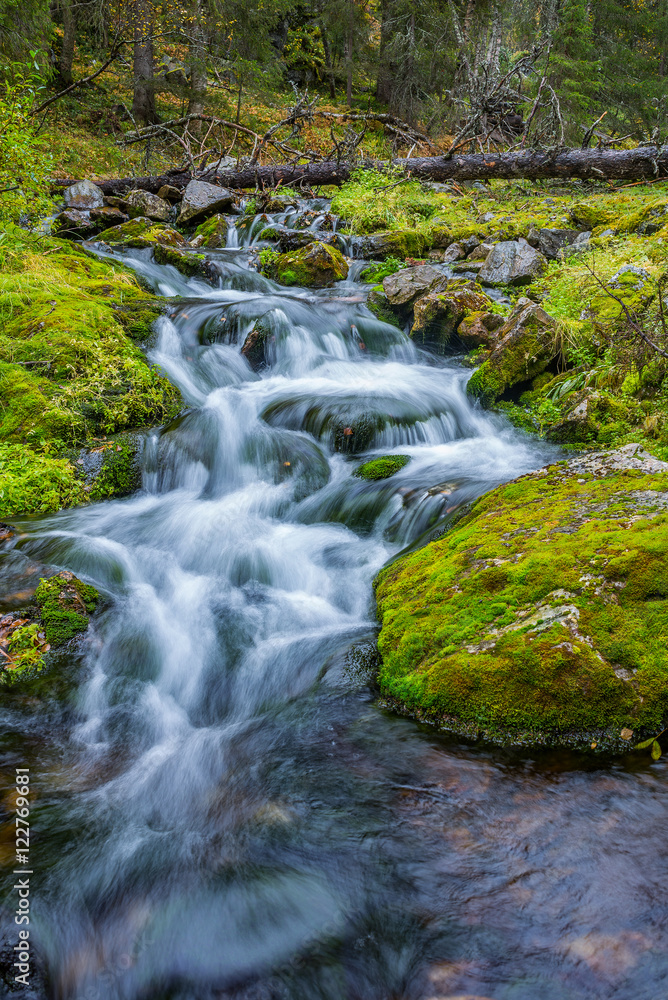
column 188, row 262
column 437, row 314
column 589, row 215
column 525, row 346
column 141, row 233
column 112, row 468
column 382, row 467
column 543, row 613
column 632, row 285
column 648, row 220
column 62, row 608
column 71, row 369
column 401, row 243
column 594, row 416
column 211, row 234
column 480, row 329
column 314, row 266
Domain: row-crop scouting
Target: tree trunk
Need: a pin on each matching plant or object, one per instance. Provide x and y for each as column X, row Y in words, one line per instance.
column 349, row 53
column 328, row 61
column 143, row 100
column 385, row 73
column 197, row 64
column 69, row 37
column 645, row 163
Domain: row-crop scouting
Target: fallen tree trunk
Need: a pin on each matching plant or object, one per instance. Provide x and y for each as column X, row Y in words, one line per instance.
column 644, row 163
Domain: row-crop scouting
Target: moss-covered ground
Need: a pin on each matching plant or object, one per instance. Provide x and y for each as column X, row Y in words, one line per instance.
column 544, row 610
column 71, row 368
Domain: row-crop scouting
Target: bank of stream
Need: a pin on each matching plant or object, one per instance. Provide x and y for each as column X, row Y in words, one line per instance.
column 220, row 807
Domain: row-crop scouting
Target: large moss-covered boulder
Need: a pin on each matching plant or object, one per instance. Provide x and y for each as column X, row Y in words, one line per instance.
column 526, row 345
column 543, row 613
column 438, row 314
column 314, row 266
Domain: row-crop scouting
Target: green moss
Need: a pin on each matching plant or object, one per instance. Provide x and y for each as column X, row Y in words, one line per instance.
column 212, row 233
column 314, row 266
column 65, row 604
column 68, row 370
column 382, row 468
column 379, row 305
column 185, row 261
column 32, row 483
column 119, row 474
column 469, row 632
column 141, row 233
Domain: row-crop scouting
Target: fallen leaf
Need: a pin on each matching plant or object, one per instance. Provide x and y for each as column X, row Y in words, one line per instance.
column 626, row 734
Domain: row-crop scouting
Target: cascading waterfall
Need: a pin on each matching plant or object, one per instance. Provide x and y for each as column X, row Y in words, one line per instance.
column 216, row 807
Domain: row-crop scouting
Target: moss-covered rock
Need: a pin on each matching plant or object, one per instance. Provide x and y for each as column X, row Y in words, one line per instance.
column 394, row 243
column 379, row 305
column 141, row 233
column 186, row 261
column 315, row 266
column 438, row 314
column 526, row 345
column 543, row 612
column 211, row 234
column 112, row 468
column 382, row 467
column 589, row 215
column 632, row 286
column 62, row 608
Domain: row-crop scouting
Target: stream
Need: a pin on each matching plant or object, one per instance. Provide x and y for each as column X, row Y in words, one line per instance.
column 225, row 811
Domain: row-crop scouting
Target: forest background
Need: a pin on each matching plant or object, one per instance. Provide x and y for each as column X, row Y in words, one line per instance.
column 593, row 71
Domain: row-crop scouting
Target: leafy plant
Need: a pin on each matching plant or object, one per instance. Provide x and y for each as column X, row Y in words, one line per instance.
column 24, row 158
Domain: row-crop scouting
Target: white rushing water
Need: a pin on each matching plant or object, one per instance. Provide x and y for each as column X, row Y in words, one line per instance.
column 236, row 579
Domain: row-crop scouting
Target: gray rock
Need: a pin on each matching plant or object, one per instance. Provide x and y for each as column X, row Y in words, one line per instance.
column 147, row 205
column 454, row 252
column 550, row 241
column 481, row 252
column 632, row 271
column 73, row 222
column 201, row 200
column 83, row 195
column 513, row 262
column 403, row 287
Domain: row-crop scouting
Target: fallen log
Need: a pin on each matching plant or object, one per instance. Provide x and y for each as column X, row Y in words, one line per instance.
column 644, row 163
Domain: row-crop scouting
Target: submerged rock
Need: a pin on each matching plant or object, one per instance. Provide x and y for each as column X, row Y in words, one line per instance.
column 201, row 199
column 526, row 344
column 382, row 467
column 543, row 612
